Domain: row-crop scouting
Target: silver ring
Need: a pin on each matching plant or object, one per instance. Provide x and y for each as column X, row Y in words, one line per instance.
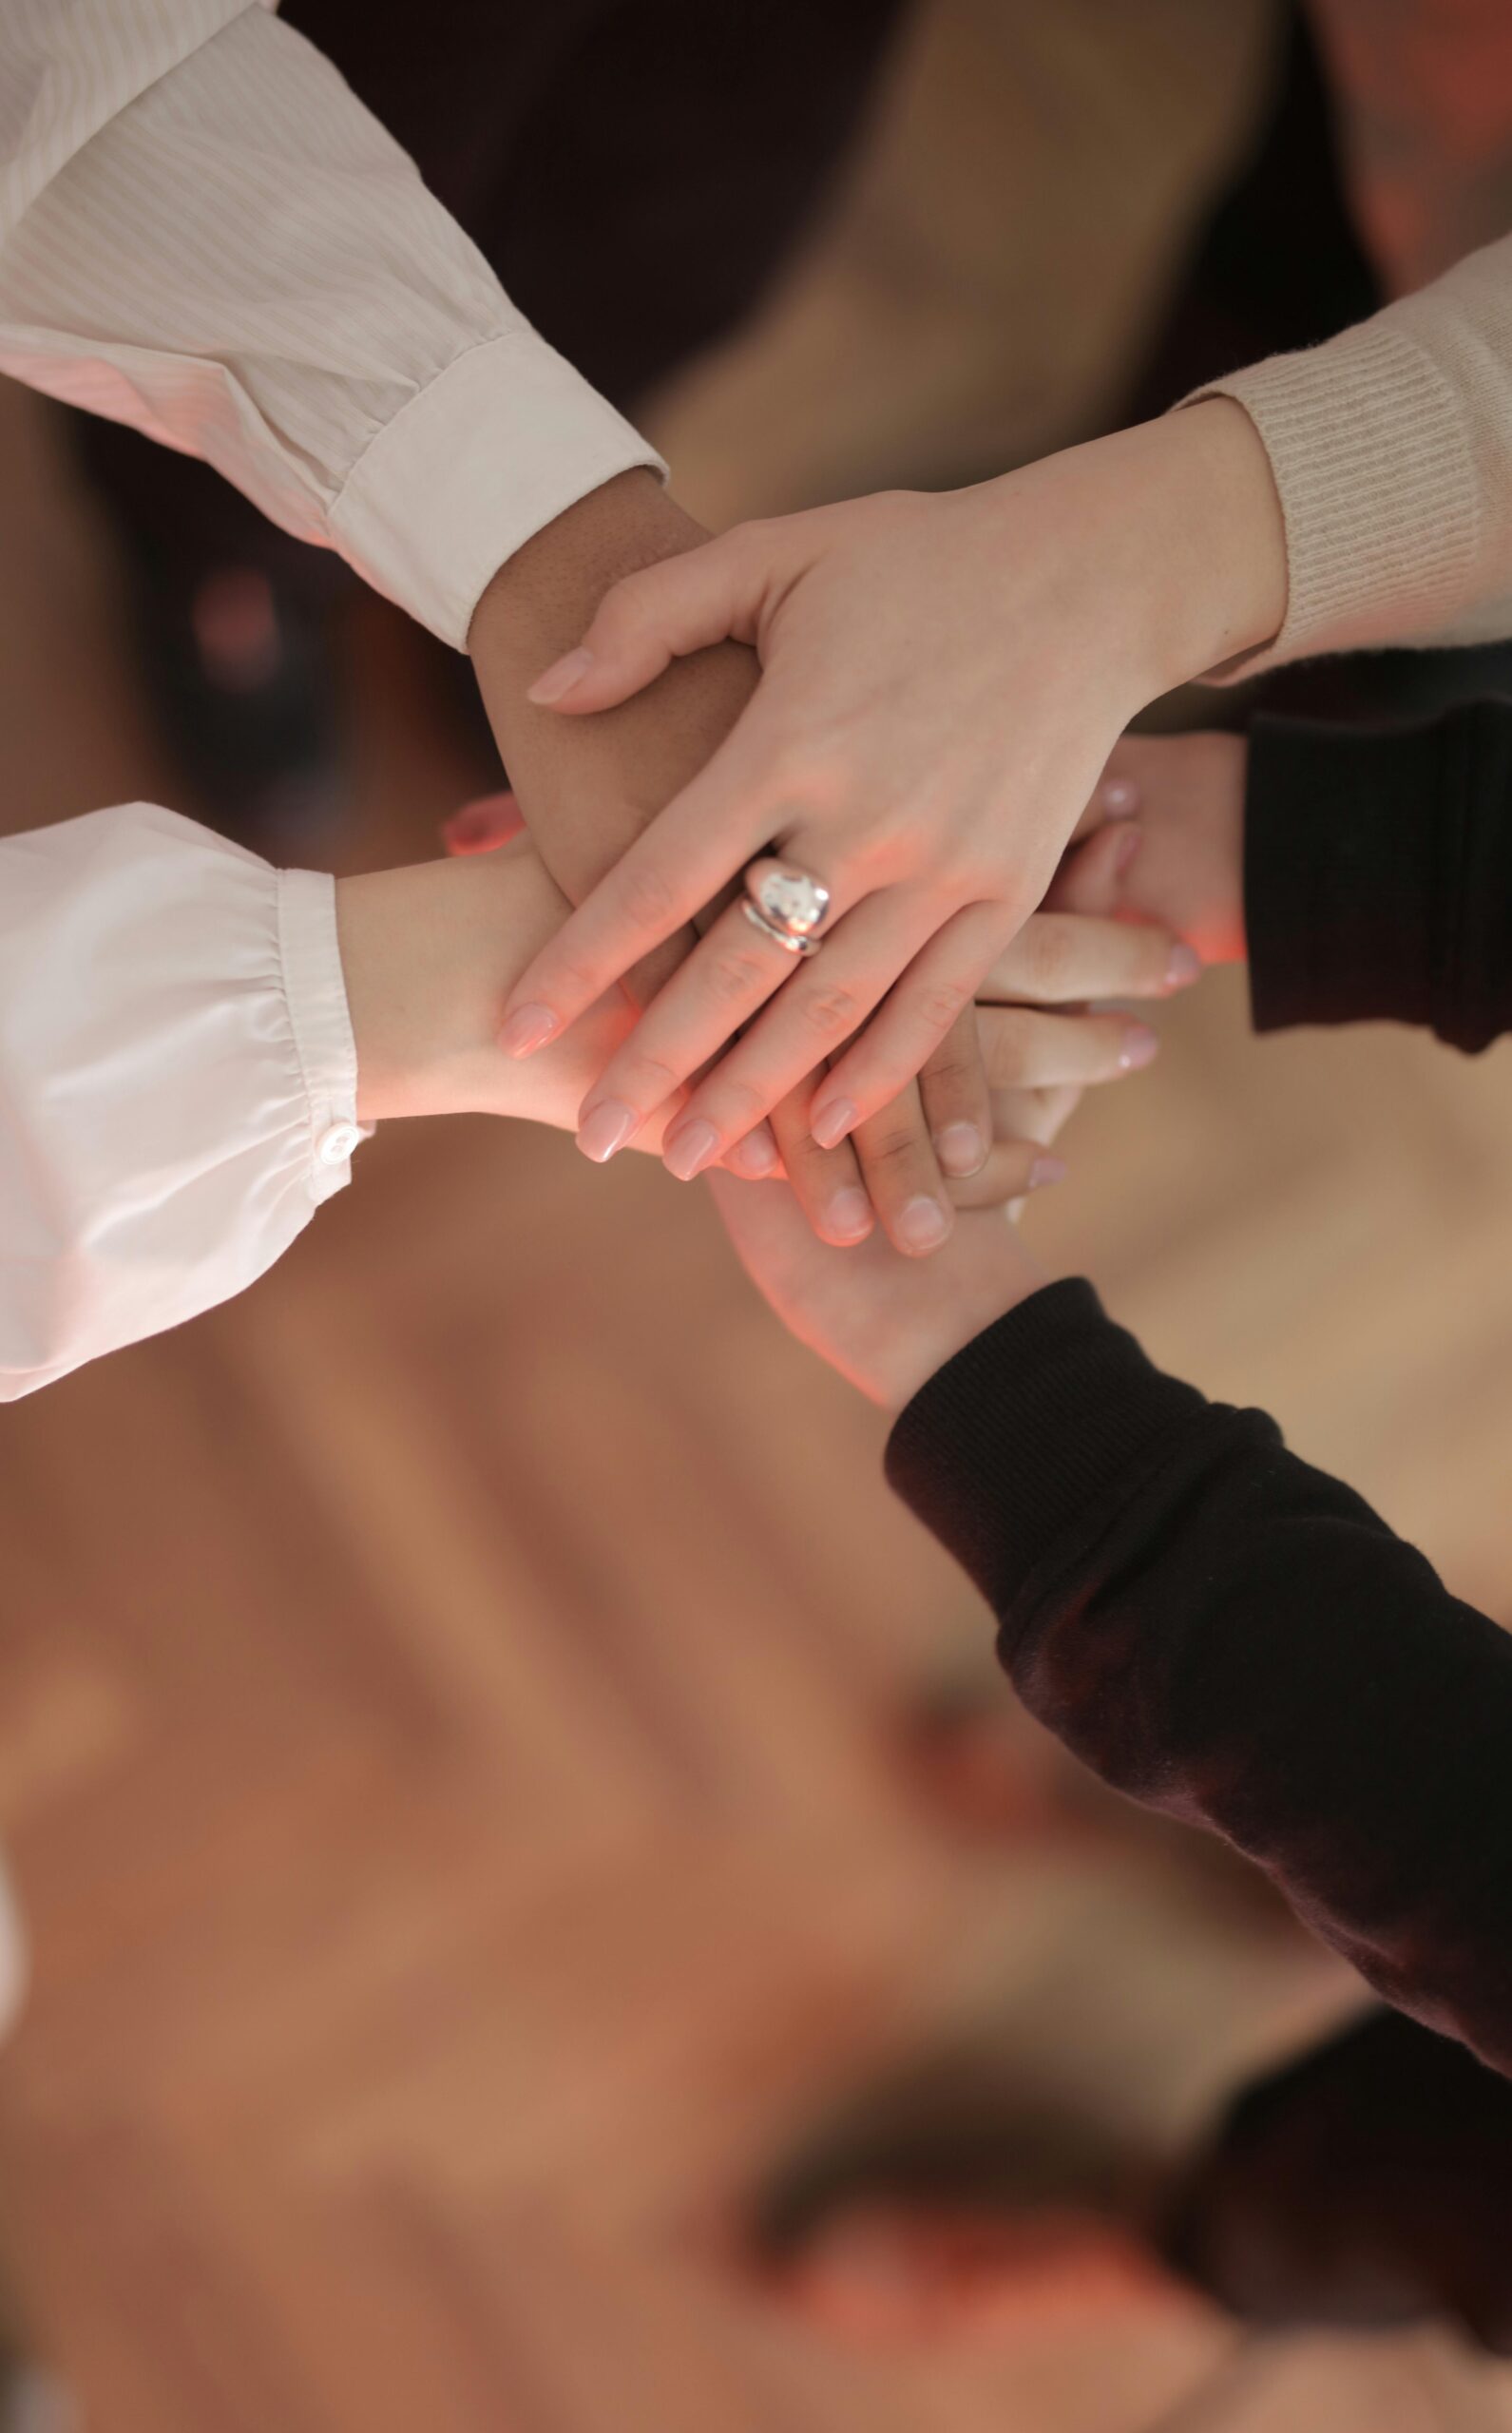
column 782, row 938
column 793, row 902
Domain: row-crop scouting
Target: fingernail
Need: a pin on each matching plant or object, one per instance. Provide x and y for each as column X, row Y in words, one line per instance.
column 923, row 1225
column 961, row 1149
column 1127, row 846
column 1142, row 1045
column 756, row 1155
column 1046, row 1170
column 527, row 1029
column 605, row 1131
column 831, row 1123
column 848, row 1216
column 560, row 677
column 1120, row 797
column 1184, row 966
column 689, row 1150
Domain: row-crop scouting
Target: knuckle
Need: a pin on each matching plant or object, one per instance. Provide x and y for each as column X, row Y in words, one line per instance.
column 648, row 898
column 1006, row 1053
column 736, row 977
column 942, row 1003
column 739, row 1106
column 894, row 1148
column 1047, row 948
column 830, row 1009
column 648, row 1081
column 577, row 981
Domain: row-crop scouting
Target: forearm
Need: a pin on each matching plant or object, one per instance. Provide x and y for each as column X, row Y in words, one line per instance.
column 1228, row 1635
column 1378, row 874
column 587, row 787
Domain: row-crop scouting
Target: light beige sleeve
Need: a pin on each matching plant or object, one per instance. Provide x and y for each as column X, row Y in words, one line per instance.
column 205, row 234
column 1391, row 448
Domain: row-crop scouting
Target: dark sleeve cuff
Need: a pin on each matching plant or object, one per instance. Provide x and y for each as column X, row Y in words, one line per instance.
column 1378, row 874
column 1042, row 1426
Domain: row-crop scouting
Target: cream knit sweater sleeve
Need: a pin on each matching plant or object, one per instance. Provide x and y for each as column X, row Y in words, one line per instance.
column 1391, row 447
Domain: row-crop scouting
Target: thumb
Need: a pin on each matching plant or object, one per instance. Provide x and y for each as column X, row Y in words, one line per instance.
column 710, row 594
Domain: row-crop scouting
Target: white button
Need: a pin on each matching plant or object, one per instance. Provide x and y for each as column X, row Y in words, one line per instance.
column 336, row 1143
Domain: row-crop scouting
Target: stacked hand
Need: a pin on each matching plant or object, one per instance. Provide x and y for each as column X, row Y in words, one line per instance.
column 1031, row 1059
column 943, row 679
column 1174, row 858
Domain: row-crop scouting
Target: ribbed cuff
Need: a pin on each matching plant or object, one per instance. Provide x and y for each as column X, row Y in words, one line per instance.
column 496, row 447
column 1338, row 872
column 1378, row 874
column 1048, row 1420
column 1374, row 470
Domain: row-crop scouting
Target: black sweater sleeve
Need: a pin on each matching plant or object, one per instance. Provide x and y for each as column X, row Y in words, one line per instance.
column 1378, row 874
column 1226, row 1634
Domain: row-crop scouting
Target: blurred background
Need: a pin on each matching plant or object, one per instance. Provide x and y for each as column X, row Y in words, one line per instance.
column 507, row 1812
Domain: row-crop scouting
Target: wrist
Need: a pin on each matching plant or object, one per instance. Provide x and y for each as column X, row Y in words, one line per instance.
column 542, row 597
column 1189, row 546
column 1217, row 539
column 429, row 955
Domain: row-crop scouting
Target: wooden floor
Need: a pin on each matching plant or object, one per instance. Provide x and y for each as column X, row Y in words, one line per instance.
column 445, row 1715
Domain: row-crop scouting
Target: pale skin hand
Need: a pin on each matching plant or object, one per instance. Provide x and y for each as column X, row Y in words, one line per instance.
column 590, row 788
column 1184, row 794
column 885, row 1322
column 427, row 950
column 943, row 679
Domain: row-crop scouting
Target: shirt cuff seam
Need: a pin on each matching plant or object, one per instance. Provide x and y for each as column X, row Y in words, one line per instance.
column 501, row 468
column 320, row 1022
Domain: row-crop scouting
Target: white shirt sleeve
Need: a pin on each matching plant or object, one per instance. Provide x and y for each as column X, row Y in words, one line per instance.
column 177, row 1078
column 205, row 234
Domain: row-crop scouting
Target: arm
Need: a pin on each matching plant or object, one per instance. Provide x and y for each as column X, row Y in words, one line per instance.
column 1227, row 1635
column 1216, row 1628
column 181, row 1082
column 203, row 234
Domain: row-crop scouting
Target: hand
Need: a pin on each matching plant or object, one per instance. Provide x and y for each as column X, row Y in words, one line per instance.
column 942, row 681
column 1185, row 795
column 1054, row 961
column 885, row 1322
column 1028, row 1058
column 589, row 788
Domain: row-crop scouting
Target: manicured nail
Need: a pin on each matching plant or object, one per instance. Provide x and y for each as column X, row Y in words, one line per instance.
column 756, row 1155
column 559, row 679
column 606, row 1130
column 1142, row 1045
column 923, row 1225
column 527, row 1029
column 848, row 1216
column 1046, row 1170
column 831, row 1123
column 1120, row 797
column 689, row 1150
column 960, row 1150
column 1127, row 846
column 1184, row 966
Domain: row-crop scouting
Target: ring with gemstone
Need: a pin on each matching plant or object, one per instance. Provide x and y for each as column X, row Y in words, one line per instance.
column 782, row 938
column 792, row 902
